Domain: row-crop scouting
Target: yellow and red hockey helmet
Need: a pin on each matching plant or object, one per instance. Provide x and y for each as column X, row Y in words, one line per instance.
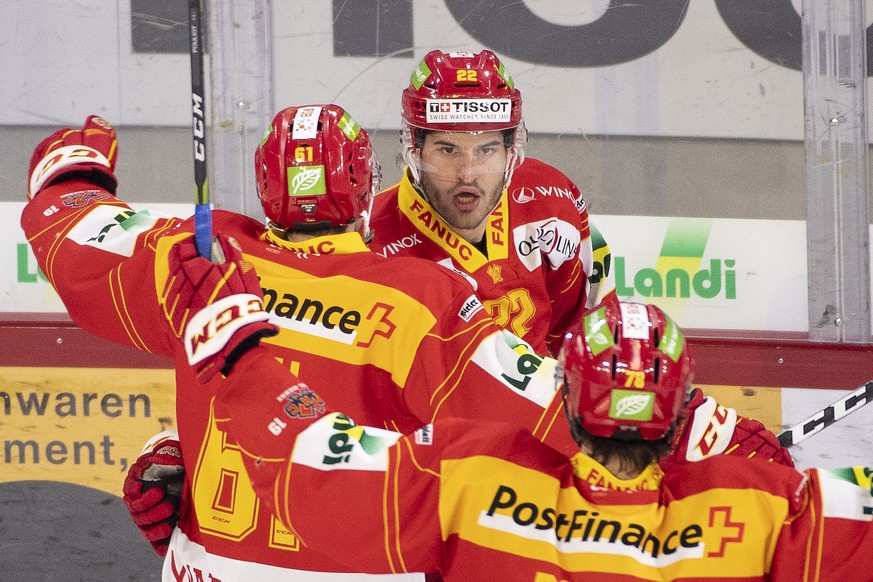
column 627, row 371
column 315, row 169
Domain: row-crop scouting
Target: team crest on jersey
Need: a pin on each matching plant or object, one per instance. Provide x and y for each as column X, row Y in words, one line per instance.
column 83, row 197
column 302, row 402
column 495, row 272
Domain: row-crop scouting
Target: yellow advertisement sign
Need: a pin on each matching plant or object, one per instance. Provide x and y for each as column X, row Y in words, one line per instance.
column 80, row 425
column 87, row 425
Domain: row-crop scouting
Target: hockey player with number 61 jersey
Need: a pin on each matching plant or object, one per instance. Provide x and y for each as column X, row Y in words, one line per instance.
column 399, row 341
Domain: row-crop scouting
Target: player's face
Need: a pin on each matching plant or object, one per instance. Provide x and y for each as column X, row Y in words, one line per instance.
column 462, row 177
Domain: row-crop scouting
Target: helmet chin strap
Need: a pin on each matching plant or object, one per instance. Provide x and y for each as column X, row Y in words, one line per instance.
column 513, row 160
column 412, row 165
column 365, row 231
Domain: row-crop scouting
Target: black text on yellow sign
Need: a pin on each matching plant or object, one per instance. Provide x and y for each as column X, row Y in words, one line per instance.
column 80, row 425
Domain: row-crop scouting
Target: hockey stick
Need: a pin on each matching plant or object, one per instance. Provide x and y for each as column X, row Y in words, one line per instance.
column 826, row 417
column 202, row 212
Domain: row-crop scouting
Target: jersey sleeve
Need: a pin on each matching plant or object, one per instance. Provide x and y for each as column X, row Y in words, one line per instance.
column 601, row 277
column 374, row 502
column 584, row 282
column 469, row 367
column 829, row 536
column 99, row 255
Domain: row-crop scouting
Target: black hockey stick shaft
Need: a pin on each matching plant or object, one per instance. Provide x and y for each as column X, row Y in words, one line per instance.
column 202, row 212
column 827, row 416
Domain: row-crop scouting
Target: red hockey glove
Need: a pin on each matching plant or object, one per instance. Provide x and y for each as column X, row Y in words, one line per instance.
column 712, row 429
column 153, row 489
column 752, row 439
column 217, row 309
column 88, row 153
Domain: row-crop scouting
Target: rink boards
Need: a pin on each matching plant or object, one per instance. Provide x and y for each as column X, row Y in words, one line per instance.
column 77, row 409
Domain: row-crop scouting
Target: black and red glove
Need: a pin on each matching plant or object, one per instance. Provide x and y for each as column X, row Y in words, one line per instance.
column 153, row 489
column 216, row 308
column 712, row 429
column 89, row 154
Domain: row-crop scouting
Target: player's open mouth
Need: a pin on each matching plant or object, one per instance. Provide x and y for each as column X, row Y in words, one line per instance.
column 466, row 200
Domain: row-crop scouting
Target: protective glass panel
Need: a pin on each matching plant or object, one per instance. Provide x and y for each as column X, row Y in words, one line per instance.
column 683, row 124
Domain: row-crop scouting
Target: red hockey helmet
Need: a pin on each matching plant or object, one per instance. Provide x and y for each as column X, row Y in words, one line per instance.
column 465, row 92
column 627, row 371
column 461, row 92
column 315, row 169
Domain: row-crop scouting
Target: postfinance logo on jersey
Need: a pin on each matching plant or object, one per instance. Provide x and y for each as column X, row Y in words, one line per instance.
column 525, row 512
column 580, row 527
column 355, row 321
column 341, row 315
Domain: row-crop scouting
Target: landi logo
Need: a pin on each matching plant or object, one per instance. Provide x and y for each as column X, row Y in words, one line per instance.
column 28, row 271
column 680, row 271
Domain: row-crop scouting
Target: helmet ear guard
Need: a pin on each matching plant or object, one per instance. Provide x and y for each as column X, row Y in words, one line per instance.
column 315, row 169
column 627, row 371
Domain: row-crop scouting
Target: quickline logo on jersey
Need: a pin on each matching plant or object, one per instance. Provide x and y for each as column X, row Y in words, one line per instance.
column 680, row 271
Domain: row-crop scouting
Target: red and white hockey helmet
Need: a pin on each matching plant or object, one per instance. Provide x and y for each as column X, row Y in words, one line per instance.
column 627, row 371
column 315, row 169
column 462, row 92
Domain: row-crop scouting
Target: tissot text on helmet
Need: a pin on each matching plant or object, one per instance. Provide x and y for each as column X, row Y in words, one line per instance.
column 473, row 110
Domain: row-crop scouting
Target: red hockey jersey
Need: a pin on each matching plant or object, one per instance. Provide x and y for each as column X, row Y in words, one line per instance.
column 398, row 342
column 488, row 502
column 541, row 268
